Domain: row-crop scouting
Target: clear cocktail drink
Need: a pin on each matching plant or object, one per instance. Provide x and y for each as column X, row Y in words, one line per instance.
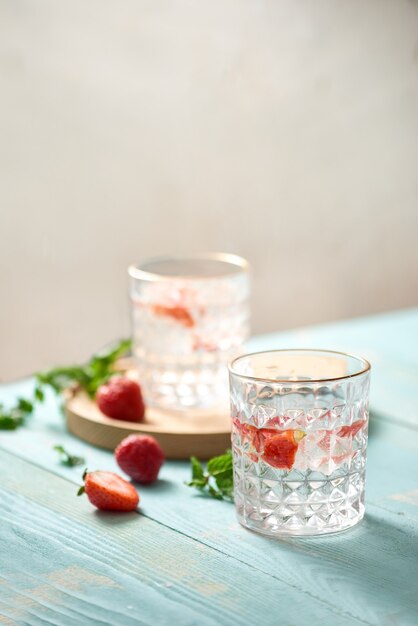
column 190, row 316
column 299, row 439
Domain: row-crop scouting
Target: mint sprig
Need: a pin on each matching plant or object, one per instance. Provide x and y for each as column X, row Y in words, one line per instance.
column 68, row 459
column 217, row 480
column 90, row 376
column 10, row 419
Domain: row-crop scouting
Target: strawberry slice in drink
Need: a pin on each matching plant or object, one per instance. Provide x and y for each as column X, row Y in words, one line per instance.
column 280, row 448
column 178, row 313
column 351, row 431
column 325, row 442
column 277, row 448
column 246, row 432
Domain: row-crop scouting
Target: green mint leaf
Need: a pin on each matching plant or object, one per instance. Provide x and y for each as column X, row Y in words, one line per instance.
column 220, row 464
column 39, row 394
column 102, row 365
column 218, row 481
column 199, row 483
column 197, row 469
column 225, row 484
column 10, row 419
column 215, row 493
column 10, row 422
column 108, row 356
column 61, row 378
column 68, row 459
column 90, row 376
column 96, row 381
column 25, row 406
column 74, row 461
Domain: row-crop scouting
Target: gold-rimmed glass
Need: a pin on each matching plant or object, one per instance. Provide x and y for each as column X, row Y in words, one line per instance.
column 299, row 439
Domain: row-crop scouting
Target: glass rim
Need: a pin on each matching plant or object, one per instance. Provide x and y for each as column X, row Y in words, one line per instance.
column 366, row 366
column 238, row 262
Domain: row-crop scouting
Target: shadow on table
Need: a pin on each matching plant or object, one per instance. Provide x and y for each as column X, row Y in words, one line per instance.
column 376, row 559
column 375, row 424
column 160, row 486
column 111, row 518
column 116, row 518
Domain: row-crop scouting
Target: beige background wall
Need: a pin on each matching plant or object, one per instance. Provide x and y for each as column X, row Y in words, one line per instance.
column 283, row 130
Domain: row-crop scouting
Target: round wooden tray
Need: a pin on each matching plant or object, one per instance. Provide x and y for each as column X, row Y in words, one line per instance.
column 181, row 435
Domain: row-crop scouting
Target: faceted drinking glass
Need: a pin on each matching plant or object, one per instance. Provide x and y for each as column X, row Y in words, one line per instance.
column 190, row 317
column 299, row 439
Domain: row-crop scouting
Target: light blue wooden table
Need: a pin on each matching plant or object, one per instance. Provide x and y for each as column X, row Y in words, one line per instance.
column 185, row 560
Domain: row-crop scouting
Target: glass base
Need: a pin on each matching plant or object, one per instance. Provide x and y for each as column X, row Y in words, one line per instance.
column 300, row 508
column 302, row 531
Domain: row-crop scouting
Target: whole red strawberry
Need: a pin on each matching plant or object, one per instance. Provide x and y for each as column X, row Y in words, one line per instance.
column 121, row 398
column 109, row 492
column 140, row 456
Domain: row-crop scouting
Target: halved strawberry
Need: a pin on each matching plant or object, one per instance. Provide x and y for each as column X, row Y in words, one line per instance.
column 109, row 492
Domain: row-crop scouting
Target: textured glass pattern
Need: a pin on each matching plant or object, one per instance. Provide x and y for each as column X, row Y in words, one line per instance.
column 299, row 451
column 190, row 317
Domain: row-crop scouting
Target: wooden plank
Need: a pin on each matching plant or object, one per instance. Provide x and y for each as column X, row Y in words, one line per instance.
column 71, row 565
column 372, row 569
column 354, row 561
